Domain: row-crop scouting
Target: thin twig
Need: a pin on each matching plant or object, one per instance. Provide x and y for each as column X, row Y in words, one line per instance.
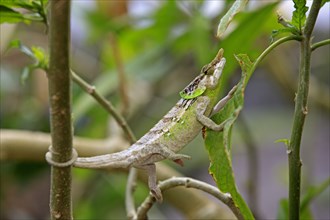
column 320, row 44
column 130, row 208
column 300, row 113
column 189, row 183
column 60, row 109
column 130, row 187
column 269, row 49
column 105, row 104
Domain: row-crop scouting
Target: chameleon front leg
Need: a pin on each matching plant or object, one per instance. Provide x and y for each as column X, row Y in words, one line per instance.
column 223, row 101
column 202, row 105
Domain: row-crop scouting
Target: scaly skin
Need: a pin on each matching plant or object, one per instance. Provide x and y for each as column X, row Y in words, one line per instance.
column 175, row 130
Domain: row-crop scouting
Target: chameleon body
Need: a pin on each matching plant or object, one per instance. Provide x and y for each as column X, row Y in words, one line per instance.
column 199, row 100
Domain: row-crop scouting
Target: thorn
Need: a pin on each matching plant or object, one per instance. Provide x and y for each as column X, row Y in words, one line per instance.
column 305, row 110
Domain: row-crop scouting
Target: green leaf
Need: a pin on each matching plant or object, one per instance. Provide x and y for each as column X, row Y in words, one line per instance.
column 36, row 53
column 275, row 33
column 9, row 15
column 34, row 11
column 305, row 212
column 312, row 192
column 283, row 211
column 299, row 15
column 324, row 1
column 41, row 58
column 284, row 140
column 218, row 144
column 238, row 6
column 24, row 49
column 250, row 26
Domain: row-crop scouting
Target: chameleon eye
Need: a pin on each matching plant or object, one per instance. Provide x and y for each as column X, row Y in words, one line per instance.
column 205, row 69
column 210, row 70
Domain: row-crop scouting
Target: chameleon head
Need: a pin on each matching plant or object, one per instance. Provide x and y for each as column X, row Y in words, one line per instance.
column 208, row 78
column 212, row 73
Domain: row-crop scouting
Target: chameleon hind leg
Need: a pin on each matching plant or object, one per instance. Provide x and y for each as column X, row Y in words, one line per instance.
column 148, row 165
column 171, row 155
column 202, row 105
column 152, row 181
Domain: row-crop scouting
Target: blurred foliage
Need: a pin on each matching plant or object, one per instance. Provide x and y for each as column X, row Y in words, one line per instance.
column 34, row 11
column 166, row 45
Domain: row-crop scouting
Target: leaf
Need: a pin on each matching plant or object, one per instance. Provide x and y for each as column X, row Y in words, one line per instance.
column 218, row 144
column 283, row 211
column 284, row 140
column 36, row 53
column 238, row 6
column 17, row 44
column 275, row 33
column 312, row 192
column 323, row 2
column 299, row 15
column 249, row 28
column 305, row 212
column 9, row 15
column 42, row 60
column 34, row 11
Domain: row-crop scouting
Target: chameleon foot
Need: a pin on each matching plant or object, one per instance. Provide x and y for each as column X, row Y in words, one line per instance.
column 155, row 191
column 177, row 158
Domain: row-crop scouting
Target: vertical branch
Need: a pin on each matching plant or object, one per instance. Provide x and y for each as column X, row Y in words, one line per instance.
column 60, row 109
column 300, row 113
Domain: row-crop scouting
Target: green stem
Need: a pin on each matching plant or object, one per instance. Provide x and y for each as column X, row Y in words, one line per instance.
column 268, row 50
column 60, row 109
column 300, row 114
column 320, row 44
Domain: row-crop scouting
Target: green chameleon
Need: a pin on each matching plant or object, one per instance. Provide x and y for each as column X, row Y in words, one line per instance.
column 199, row 101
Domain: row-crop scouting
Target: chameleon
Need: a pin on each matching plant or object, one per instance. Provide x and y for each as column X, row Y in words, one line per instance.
column 199, row 101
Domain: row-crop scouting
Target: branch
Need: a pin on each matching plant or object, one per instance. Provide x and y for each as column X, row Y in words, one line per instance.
column 130, row 208
column 16, row 145
column 105, row 104
column 189, row 183
column 60, row 109
column 320, row 44
column 300, row 113
column 269, row 49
